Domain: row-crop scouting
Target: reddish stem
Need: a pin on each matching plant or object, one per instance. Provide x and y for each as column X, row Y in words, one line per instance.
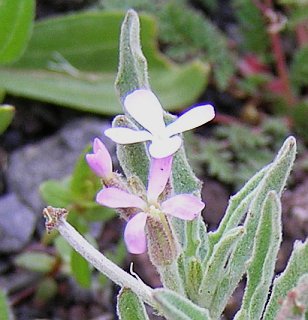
column 302, row 34
column 277, row 49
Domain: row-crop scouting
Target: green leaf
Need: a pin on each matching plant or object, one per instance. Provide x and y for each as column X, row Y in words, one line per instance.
column 56, row 193
column 252, row 26
column 174, row 306
column 4, row 306
column 36, row 261
column 187, row 31
column 16, row 21
column 46, row 290
column 6, row 116
column 133, row 158
column 299, row 67
column 83, row 68
column 299, row 115
column 80, row 269
column 216, row 266
column 84, row 184
column 130, row 306
column 237, row 207
column 274, row 179
column 133, row 73
column 297, row 267
column 262, row 265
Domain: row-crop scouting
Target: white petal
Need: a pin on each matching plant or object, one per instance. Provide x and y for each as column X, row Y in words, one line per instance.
column 165, row 148
column 192, row 118
column 126, row 135
column 145, row 108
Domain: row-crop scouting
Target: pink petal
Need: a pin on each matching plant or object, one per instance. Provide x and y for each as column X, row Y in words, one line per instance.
column 192, row 118
column 100, row 161
column 145, row 108
column 160, row 171
column 183, row 206
column 116, row 198
column 134, row 234
column 162, row 148
column 126, row 135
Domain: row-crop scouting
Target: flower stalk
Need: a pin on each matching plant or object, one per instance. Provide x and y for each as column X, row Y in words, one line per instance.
column 55, row 219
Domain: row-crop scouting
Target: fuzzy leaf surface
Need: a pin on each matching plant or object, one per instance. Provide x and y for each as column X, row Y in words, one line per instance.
column 177, row 307
column 297, row 267
column 130, row 306
column 274, row 179
column 261, row 269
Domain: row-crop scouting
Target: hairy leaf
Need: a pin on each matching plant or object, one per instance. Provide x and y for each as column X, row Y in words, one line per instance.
column 130, row 306
column 177, row 307
column 297, row 267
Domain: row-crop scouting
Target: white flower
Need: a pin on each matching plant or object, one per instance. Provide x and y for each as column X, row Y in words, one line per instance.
column 145, row 108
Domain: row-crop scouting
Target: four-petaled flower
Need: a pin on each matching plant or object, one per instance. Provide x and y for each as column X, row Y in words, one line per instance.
column 145, row 108
column 183, row 206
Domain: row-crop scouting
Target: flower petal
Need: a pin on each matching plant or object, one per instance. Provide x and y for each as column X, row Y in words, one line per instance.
column 126, row 135
column 160, row 171
column 145, row 108
column 116, row 198
column 100, row 161
column 192, row 118
column 183, row 206
column 162, row 148
column 134, row 234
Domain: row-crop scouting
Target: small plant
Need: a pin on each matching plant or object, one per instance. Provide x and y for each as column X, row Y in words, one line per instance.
column 159, row 197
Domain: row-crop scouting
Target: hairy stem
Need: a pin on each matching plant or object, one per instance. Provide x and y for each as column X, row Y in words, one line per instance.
column 102, row 264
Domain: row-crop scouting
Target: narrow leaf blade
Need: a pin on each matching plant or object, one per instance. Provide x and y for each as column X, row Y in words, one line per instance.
column 177, row 307
column 130, row 306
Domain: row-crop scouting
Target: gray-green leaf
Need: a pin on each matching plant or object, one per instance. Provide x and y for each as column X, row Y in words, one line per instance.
column 130, row 306
column 174, row 306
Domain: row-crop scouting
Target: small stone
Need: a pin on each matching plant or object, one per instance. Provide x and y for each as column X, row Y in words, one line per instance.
column 17, row 223
column 51, row 158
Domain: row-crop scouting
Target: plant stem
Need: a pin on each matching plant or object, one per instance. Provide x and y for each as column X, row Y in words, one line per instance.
column 277, row 49
column 102, row 264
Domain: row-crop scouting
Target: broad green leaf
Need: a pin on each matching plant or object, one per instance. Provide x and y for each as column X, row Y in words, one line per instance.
column 6, row 117
column 299, row 115
column 36, row 261
column 130, row 306
column 274, row 179
column 261, row 270
column 56, row 193
column 80, row 269
column 133, row 69
column 84, row 184
column 16, row 22
column 4, row 306
column 174, row 306
column 82, row 51
column 215, row 267
column 297, row 267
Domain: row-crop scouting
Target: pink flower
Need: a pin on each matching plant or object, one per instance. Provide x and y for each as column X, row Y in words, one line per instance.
column 183, row 206
column 100, row 160
column 145, row 108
